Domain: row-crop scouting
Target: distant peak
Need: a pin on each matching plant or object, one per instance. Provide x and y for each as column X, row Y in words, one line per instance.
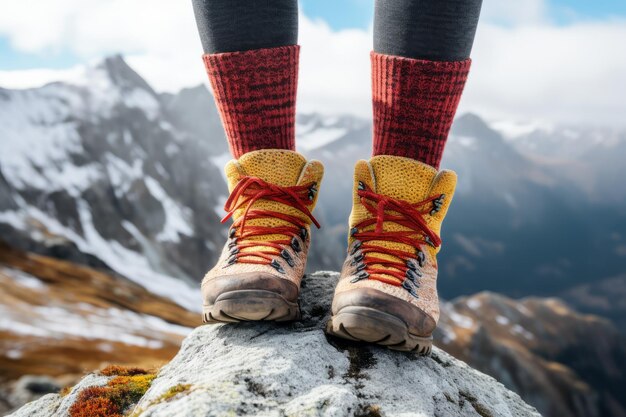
column 470, row 124
column 122, row 75
column 471, row 119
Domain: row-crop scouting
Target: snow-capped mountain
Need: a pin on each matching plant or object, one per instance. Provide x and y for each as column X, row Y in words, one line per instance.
column 106, row 172
column 103, row 171
column 519, row 225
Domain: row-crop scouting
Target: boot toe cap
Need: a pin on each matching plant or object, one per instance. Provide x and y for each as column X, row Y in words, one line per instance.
column 260, row 281
column 417, row 320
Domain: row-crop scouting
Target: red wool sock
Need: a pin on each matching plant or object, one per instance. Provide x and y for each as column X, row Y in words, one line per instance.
column 414, row 105
column 255, row 93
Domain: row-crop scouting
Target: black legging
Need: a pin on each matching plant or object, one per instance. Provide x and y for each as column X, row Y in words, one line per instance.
column 438, row 30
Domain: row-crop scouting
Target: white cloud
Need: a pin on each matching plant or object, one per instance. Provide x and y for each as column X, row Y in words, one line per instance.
column 335, row 69
column 524, row 66
column 571, row 74
column 514, row 12
column 38, row 76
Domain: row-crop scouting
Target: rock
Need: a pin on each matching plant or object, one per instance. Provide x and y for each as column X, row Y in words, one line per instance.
column 31, row 387
column 56, row 404
column 293, row 369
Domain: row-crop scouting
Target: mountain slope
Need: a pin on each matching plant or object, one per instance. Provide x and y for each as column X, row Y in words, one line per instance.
column 60, row 319
column 518, row 226
column 560, row 361
column 103, row 172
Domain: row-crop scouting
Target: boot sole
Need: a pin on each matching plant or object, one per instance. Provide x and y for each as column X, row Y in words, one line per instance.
column 365, row 324
column 250, row 305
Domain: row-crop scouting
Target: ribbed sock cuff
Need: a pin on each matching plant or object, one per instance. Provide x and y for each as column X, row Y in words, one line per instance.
column 255, row 93
column 414, row 103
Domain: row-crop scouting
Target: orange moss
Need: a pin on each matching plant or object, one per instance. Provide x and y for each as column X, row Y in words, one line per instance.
column 112, row 400
column 115, row 370
column 94, row 402
column 95, row 407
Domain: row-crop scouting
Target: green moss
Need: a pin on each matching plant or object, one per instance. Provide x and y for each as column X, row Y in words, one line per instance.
column 175, row 390
column 170, row 393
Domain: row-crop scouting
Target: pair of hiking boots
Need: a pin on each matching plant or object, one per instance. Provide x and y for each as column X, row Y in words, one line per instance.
column 387, row 289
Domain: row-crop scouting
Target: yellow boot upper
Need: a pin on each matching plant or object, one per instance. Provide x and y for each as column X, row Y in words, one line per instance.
column 412, row 182
column 279, row 167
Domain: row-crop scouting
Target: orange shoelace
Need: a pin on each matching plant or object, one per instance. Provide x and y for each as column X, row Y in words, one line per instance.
column 404, row 270
column 248, row 191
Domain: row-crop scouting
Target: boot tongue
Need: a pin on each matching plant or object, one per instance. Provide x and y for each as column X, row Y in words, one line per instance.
column 402, row 178
column 276, row 167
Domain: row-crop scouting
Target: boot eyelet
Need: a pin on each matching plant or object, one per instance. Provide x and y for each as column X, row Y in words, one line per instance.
column 360, row 276
column 407, row 285
column 353, row 231
column 421, row 257
column 295, row 244
column 412, row 264
column 231, row 232
column 360, row 267
column 232, row 243
column 304, row 234
column 357, row 245
column 277, row 266
column 287, row 257
column 361, row 186
column 412, row 276
column 357, row 259
column 231, row 260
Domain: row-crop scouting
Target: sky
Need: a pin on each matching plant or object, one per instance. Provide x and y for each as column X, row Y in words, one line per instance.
column 553, row 61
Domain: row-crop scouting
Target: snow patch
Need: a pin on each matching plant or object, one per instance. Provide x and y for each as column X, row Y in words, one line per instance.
column 22, row 278
column 522, row 331
column 110, row 324
column 175, row 216
column 510, row 129
column 121, row 174
column 320, row 137
column 220, row 161
column 461, row 320
column 474, row 303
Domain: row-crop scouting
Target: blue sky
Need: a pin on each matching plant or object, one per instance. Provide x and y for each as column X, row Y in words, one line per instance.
column 338, row 14
column 342, row 14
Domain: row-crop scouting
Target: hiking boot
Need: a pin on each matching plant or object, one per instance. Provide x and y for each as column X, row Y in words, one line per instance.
column 257, row 277
column 387, row 290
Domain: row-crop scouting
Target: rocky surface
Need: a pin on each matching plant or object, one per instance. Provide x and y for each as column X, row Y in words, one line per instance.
column 59, row 405
column 294, row 370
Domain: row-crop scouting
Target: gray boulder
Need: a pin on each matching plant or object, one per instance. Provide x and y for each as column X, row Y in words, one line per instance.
column 267, row 369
